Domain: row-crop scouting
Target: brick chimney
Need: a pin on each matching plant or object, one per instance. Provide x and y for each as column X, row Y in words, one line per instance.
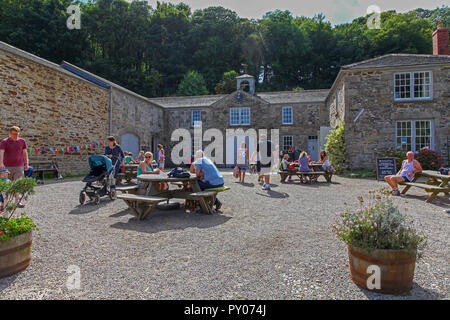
column 441, row 41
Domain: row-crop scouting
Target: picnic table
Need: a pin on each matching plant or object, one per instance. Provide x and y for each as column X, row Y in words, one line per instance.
column 312, row 176
column 143, row 204
column 128, row 173
column 436, row 183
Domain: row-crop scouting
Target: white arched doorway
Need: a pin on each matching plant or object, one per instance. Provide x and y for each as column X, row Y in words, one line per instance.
column 130, row 143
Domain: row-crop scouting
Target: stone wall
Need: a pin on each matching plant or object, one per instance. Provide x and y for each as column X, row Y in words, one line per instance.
column 52, row 107
column 306, row 119
column 374, row 131
column 133, row 114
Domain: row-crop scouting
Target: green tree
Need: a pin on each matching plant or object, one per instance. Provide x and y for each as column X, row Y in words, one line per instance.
column 193, row 84
column 335, row 148
column 227, row 84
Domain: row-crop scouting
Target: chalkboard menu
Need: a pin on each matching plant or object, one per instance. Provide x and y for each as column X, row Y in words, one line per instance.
column 385, row 167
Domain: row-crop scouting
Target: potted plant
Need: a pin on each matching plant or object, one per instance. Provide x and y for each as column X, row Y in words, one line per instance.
column 382, row 244
column 15, row 230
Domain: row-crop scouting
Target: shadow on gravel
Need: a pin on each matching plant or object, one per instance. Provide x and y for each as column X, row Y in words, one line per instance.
column 273, row 194
column 416, row 293
column 159, row 220
column 89, row 206
column 6, row 282
column 439, row 201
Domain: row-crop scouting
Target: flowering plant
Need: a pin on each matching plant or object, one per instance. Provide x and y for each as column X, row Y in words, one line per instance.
column 429, row 159
column 12, row 226
column 378, row 225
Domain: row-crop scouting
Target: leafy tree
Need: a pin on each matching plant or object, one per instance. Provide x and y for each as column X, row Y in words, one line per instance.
column 193, row 84
column 336, row 149
column 227, row 84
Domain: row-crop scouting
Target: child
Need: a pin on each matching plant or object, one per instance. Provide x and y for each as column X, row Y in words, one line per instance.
column 285, row 163
column 161, row 157
column 4, row 177
column 304, row 167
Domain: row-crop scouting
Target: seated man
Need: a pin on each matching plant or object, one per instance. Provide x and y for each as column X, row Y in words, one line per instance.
column 209, row 176
column 406, row 174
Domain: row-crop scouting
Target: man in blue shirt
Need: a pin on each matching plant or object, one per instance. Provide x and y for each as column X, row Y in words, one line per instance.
column 209, row 176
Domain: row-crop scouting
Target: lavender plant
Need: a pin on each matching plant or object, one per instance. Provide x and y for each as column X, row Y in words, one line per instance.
column 378, row 224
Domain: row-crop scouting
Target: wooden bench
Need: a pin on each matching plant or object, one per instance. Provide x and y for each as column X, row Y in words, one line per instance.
column 205, row 198
column 141, row 205
column 40, row 168
column 311, row 175
column 128, row 189
column 435, row 184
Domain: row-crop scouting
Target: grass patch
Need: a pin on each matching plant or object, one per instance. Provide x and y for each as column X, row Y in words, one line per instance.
column 358, row 174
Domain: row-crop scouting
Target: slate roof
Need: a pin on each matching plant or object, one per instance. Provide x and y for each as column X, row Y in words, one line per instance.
column 398, row 60
column 187, row 101
column 294, row 96
column 270, row 97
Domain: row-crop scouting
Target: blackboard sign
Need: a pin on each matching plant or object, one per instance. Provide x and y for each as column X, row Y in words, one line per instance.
column 385, row 167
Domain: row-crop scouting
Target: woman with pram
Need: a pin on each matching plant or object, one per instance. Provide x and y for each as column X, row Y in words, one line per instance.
column 115, row 153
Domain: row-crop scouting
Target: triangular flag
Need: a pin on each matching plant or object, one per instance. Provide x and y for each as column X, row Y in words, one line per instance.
column 56, row 150
column 86, row 147
column 98, row 143
column 101, row 142
column 78, row 148
column 68, row 150
column 30, row 150
column 90, row 146
column 36, row 150
column 52, row 150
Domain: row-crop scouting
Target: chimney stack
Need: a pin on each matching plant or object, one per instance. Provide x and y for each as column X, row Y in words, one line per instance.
column 441, row 41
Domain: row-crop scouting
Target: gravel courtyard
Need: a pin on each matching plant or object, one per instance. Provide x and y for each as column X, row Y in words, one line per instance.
column 264, row 245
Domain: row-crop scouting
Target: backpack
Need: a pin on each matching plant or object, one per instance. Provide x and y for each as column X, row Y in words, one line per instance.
column 444, row 171
column 179, row 173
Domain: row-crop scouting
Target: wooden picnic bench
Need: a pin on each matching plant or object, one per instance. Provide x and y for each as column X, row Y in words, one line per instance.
column 128, row 173
column 312, row 175
column 436, row 183
column 144, row 198
column 40, row 168
column 141, row 205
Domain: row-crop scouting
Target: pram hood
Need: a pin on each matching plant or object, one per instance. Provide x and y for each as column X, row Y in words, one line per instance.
column 99, row 160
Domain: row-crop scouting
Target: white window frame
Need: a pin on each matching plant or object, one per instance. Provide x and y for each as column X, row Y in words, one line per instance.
column 411, row 86
column 194, row 123
column 240, row 117
column 291, row 115
column 413, row 134
column 283, row 145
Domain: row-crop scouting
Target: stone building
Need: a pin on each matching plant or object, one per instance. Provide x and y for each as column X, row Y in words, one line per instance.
column 393, row 101
column 63, row 105
column 298, row 115
column 53, row 107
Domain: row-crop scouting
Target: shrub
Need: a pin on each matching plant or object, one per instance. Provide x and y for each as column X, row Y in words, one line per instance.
column 378, row 225
column 9, row 226
column 429, row 159
column 398, row 154
column 335, row 148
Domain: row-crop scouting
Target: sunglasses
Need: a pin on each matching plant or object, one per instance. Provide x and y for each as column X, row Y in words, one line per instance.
column 148, row 156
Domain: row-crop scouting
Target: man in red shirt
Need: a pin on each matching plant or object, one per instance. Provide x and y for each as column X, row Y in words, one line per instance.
column 14, row 156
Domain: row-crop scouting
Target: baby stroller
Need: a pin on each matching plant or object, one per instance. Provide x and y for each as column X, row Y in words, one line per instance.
column 99, row 180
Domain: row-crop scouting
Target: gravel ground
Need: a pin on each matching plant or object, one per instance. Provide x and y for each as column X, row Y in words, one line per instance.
column 263, row 245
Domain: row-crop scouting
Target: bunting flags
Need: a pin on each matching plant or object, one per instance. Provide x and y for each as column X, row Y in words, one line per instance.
column 66, row 149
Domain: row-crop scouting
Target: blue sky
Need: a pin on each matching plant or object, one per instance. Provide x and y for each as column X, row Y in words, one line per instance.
column 336, row 11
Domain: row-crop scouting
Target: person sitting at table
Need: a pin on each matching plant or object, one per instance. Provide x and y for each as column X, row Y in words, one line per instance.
column 128, row 158
column 409, row 168
column 209, row 176
column 324, row 160
column 304, row 166
column 140, row 157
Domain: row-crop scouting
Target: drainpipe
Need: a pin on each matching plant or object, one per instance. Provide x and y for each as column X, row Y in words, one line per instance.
column 110, row 110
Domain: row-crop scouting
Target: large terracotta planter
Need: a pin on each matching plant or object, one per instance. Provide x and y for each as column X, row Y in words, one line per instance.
column 396, row 268
column 15, row 254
